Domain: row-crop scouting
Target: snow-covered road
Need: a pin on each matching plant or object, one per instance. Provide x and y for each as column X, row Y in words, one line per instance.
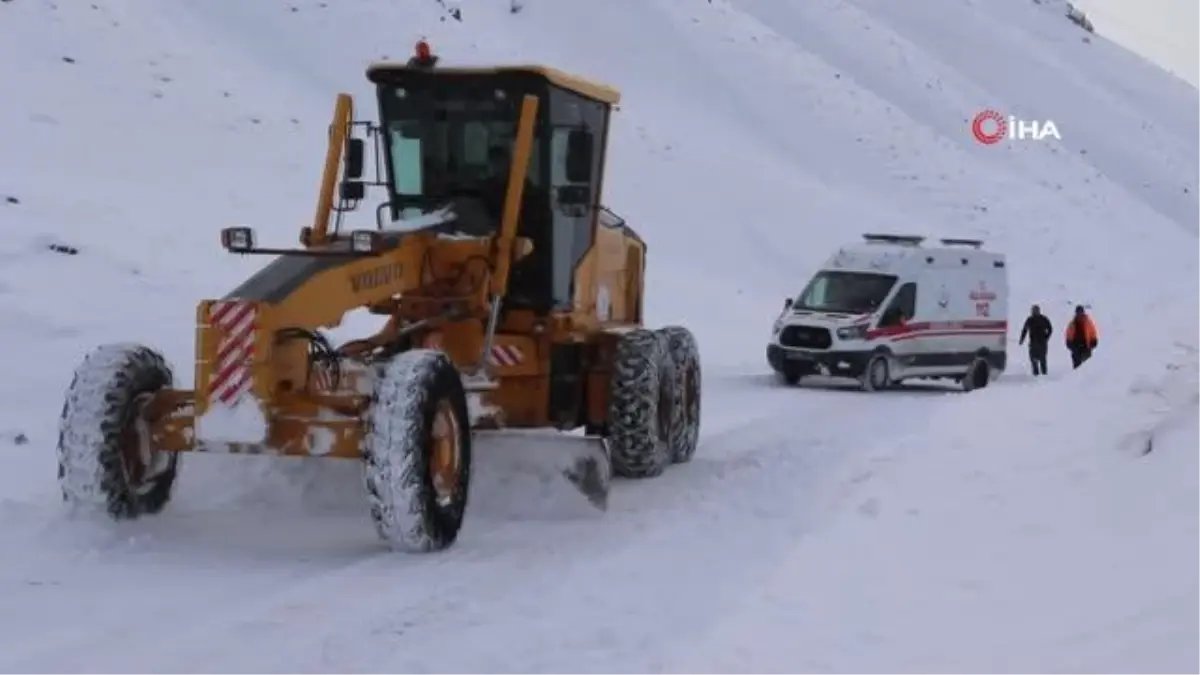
column 1015, row 528
column 241, row 574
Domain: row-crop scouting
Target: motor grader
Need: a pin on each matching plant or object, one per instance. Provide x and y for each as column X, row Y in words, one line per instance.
column 510, row 299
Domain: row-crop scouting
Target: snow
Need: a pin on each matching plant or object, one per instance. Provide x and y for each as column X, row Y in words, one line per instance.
column 1035, row 552
column 242, row 422
column 477, row 409
column 420, row 222
column 321, row 441
column 1021, row 527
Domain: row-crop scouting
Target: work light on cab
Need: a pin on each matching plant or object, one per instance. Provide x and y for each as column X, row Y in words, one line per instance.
column 365, row 241
column 237, row 239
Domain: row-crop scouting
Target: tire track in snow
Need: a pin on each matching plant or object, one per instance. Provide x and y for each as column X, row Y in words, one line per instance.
column 524, row 578
column 271, row 614
column 463, row 587
column 648, row 578
column 122, row 616
column 679, row 536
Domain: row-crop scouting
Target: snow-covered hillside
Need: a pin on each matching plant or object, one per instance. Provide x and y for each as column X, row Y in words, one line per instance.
column 1164, row 31
column 1021, row 527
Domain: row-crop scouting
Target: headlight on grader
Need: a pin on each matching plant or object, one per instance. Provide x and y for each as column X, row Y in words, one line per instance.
column 365, row 241
column 237, row 239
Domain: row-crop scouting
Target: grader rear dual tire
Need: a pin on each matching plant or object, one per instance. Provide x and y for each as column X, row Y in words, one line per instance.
column 104, row 460
column 654, row 401
column 684, row 358
column 417, row 451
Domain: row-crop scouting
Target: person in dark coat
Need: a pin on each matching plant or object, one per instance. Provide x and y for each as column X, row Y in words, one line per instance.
column 1038, row 329
column 1081, row 337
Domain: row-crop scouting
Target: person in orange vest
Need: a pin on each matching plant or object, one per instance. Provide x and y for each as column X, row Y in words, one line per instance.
column 1081, row 337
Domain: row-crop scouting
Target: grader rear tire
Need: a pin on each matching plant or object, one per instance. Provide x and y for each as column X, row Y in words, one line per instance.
column 417, row 451
column 684, row 356
column 104, row 459
column 640, row 405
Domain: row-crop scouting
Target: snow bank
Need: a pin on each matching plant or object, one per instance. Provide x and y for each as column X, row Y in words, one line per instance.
column 1026, row 530
column 242, row 422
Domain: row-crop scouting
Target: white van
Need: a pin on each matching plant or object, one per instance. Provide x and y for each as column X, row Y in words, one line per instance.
column 892, row 308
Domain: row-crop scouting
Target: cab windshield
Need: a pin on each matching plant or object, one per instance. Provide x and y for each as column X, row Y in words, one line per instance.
column 450, row 141
column 845, row 292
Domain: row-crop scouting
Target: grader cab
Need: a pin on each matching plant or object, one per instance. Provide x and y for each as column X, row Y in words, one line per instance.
column 512, row 299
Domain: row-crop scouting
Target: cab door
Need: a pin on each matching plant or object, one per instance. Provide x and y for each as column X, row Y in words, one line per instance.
column 900, row 324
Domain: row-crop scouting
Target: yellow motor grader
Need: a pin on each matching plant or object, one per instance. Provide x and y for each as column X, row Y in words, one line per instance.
column 511, row 298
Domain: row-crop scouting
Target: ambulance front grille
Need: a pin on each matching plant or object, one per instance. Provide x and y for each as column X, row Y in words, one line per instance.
column 806, row 337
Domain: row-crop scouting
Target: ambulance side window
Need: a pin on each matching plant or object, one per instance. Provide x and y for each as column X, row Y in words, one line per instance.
column 903, row 306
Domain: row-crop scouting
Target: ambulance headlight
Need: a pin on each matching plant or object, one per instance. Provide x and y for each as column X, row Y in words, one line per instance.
column 857, row 332
column 778, row 324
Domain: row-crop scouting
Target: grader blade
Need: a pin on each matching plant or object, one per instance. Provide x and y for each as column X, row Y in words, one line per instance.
column 591, row 472
column 551, row 456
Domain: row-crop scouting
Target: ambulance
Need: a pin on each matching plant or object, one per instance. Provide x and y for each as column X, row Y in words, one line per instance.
column 892, row 308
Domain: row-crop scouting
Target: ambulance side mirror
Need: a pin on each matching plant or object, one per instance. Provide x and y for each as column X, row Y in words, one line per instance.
column 787, row 304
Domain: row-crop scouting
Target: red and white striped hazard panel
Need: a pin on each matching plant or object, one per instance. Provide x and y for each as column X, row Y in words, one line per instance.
column 506, row 355
column 235, row 319
column 323, row 375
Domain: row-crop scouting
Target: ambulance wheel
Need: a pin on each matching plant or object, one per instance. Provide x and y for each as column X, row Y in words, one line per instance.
column 979, row 373
column 878, row 375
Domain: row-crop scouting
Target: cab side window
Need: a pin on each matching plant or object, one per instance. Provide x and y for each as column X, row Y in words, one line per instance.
column 902, row 307
column 572, row 228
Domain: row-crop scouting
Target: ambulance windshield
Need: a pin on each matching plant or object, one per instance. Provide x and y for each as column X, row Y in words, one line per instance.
column 845, row 292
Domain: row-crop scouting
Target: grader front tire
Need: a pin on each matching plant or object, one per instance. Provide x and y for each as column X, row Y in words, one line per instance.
column 104, row 459
column 417, row 452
